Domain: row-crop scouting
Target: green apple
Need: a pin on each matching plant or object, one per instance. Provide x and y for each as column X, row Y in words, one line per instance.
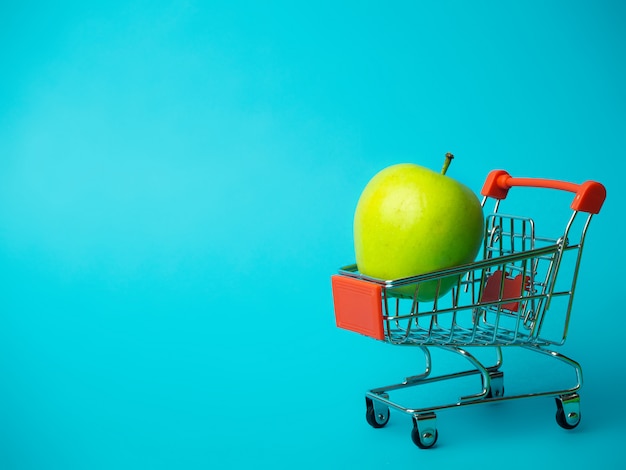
column 411, row 220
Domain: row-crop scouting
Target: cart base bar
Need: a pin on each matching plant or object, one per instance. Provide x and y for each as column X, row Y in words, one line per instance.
column 425, row 434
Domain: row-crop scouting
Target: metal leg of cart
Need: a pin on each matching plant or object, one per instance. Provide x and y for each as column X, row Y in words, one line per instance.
column 424, row 433
column 567, row 401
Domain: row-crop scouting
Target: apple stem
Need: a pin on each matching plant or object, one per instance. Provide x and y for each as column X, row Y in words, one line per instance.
column 446, row 163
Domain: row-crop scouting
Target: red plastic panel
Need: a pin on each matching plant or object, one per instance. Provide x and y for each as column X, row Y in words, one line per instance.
column 358, row 306
column 512, row 288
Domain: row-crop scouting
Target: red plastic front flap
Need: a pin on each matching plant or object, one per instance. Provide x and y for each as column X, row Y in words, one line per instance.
column 358, row 306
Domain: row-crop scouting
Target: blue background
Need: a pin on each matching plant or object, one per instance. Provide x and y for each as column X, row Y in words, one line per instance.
column 177, row 184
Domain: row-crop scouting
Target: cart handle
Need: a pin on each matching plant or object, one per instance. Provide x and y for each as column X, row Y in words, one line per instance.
column 590, row 195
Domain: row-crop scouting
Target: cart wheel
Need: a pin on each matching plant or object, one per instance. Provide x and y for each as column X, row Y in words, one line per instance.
column 424, row 433
column 497, row 385
column 377, row 416
column 568, row 411
column 495, row 393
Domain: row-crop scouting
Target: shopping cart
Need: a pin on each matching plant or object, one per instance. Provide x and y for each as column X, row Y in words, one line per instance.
column 518, row 294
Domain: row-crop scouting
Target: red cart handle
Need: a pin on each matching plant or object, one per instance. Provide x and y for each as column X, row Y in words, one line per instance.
column 590, row 195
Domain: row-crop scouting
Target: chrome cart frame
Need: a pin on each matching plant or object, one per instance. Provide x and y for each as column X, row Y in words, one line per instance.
column 519, row 293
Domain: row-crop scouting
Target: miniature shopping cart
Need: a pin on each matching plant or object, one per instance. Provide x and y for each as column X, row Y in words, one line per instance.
column 519, row 293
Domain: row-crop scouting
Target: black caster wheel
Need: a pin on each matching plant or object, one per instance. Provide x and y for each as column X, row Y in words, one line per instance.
column 377, row 416
column 498, row 393
column 424, row 433
column 568, row 411
column 497, row 385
